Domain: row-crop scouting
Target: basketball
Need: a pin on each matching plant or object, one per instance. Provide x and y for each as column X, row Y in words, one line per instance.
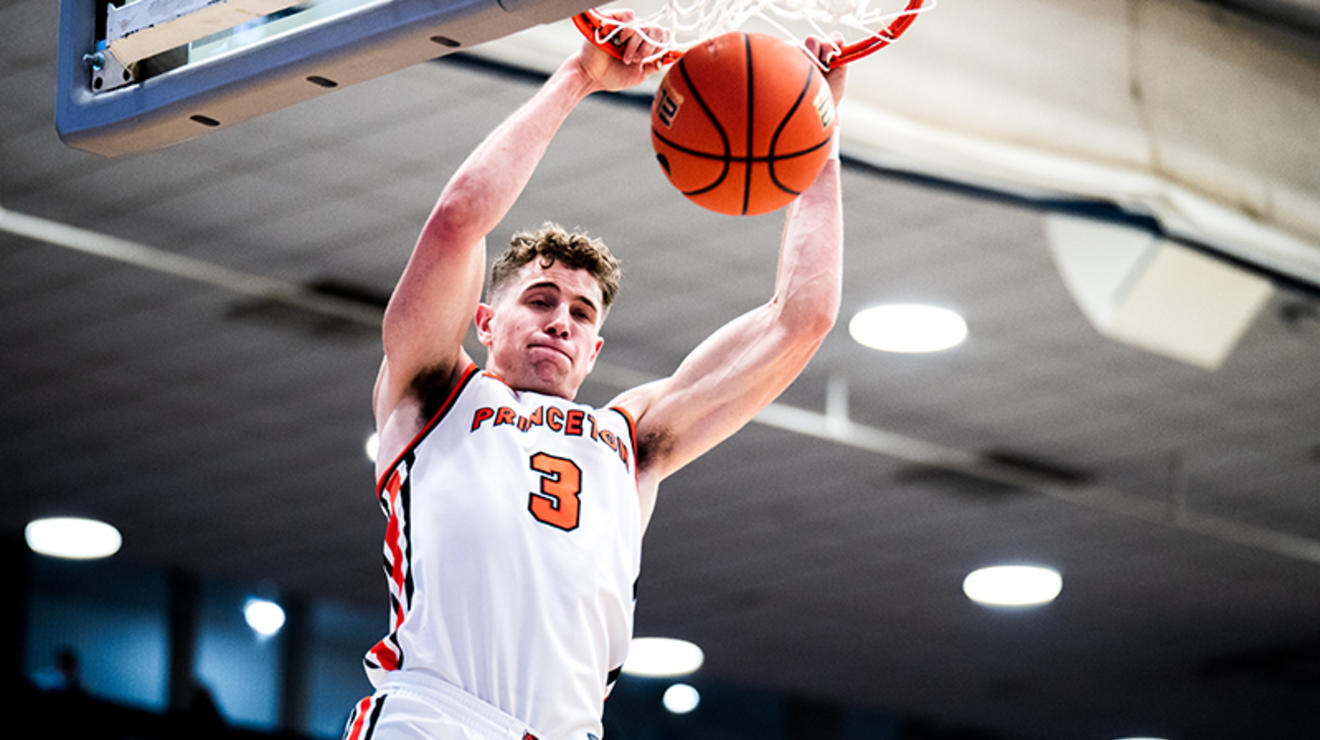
column 742, row 123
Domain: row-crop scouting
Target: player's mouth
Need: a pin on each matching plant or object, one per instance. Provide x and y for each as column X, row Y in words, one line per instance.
column 552, row 348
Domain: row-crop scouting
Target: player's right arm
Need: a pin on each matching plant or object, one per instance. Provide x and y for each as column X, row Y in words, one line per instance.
column 437, row 295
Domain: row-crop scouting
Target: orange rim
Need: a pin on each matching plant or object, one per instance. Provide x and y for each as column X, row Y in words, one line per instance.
column 593, row 26
column 881, row 39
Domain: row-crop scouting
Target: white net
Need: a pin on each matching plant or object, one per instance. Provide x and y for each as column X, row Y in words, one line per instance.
column 690, row 21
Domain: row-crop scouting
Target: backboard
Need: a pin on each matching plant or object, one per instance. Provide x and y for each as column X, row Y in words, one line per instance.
column 145, row 74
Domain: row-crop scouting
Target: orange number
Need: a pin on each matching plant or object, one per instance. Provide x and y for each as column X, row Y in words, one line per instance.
column 561, row 482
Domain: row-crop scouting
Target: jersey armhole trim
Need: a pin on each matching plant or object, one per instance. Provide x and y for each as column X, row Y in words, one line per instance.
column 440, row 414
column 632, row 437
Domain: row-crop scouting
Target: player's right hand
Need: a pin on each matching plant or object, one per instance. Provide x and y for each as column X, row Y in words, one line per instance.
column 629, row 67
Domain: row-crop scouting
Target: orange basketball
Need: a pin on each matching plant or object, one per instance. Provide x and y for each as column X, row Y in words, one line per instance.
column 742, row 123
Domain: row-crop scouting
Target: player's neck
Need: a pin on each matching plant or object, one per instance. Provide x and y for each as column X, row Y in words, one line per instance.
column 529, row 382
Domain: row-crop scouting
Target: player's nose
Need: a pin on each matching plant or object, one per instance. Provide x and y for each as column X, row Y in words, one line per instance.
column 558, row 322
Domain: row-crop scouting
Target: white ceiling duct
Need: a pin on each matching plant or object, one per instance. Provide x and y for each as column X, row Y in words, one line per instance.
column 1199, row 116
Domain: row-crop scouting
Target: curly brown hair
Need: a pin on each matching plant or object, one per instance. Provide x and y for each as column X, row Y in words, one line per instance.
column 553, row 243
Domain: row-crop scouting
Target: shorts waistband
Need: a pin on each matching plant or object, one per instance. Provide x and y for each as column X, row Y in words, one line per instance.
column 468, row 706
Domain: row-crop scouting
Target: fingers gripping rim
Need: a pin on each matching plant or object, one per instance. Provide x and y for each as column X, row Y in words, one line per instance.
column 604, row 33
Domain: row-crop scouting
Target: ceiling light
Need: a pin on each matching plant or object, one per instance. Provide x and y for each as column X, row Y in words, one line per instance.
column 1142, row 738
column 908, row 328
column 373, row 446
column 1013, row 585
column 681, row 698
column 662, row 656
column 72, row 537
column 263, row 616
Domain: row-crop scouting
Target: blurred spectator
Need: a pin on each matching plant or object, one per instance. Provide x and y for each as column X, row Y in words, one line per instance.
column 65, row 675
column 197, row 716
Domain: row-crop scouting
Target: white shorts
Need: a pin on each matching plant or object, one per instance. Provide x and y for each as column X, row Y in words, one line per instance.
column 431, row 710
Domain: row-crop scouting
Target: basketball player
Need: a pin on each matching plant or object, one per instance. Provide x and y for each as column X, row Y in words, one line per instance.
column 515, row 515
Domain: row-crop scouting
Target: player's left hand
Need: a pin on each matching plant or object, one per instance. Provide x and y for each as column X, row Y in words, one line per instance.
column 825, row 50
column 630, row 68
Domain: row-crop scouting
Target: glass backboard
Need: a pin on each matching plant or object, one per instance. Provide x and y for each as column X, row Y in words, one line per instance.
column 142, row 75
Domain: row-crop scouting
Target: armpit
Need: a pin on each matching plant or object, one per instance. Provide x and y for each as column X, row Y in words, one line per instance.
column 653, row 447
column 431, row 387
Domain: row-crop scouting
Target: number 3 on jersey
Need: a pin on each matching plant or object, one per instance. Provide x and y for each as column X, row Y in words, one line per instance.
column 557, row 502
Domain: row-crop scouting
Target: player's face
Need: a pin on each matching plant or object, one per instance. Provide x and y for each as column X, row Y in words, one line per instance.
column 542, row 331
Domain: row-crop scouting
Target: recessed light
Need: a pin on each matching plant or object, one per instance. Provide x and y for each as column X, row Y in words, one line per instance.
column 1013, row 585
column 372, row 446
column 681, row 698
column 908, row 328
column 265, row 617
column 662, row 656
column 72, row 537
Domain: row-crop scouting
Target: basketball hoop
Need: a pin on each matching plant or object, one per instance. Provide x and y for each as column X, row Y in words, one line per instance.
column 689, row 22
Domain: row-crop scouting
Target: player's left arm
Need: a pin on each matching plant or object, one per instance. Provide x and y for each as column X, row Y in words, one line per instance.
column 747, row 363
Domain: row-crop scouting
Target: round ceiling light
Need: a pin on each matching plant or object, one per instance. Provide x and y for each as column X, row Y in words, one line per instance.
column 1013, row 585
column 263, row 616
column 681, row 698
column 372, row 446
column 908, row 328
column 72, row 537
column 662, row 656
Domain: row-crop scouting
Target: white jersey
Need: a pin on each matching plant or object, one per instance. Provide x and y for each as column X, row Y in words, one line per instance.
column 512, row 550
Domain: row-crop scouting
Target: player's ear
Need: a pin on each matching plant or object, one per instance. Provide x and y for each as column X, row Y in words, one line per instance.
column 482, row 320
column 595, row 352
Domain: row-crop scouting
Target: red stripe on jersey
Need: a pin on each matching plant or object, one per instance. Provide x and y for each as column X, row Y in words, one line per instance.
column 392, row 484
column 361, row 711
column 393, row 535
column 385, row 656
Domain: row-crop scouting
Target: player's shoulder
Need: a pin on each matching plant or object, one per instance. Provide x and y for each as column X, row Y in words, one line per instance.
column 653, row 441
column 636, row 401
